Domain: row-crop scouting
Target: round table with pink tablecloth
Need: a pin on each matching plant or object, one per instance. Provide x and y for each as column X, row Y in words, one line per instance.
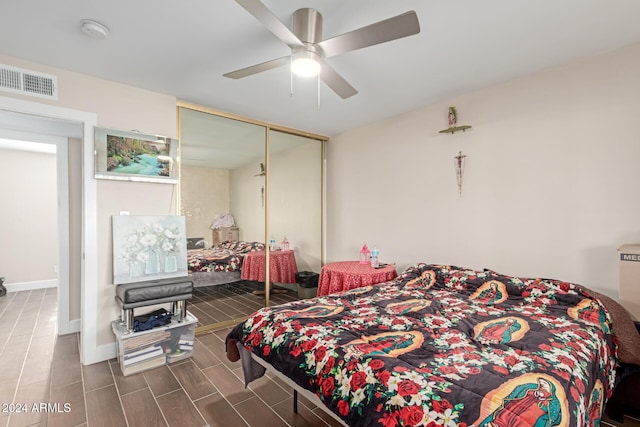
column 345, row 275
column 282, row 266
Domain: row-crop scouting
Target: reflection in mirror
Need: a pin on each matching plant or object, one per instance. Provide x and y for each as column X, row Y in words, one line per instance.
column 222, row 196
column 295, row 211
column 221, row 161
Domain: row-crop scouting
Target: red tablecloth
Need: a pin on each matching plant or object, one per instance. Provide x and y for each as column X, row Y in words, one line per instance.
column 282, row 266
column 345, row 275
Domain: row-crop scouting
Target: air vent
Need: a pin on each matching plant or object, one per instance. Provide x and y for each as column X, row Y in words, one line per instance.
column 27, row 82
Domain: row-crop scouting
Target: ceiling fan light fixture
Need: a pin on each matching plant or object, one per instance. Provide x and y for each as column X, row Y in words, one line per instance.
column 309, row 50
column 305, row 64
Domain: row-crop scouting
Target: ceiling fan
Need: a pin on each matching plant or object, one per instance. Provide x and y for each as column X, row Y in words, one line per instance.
column 308, row 50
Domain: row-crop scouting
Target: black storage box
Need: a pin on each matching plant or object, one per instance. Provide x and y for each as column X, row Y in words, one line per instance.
column 307, row 284
column 307, row 279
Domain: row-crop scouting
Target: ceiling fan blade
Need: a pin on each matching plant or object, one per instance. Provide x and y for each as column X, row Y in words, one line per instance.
column 335, row 81
column 380, row 32
column 255, row 69
column 270, row 21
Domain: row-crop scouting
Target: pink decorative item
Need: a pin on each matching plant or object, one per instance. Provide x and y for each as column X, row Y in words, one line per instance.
column 364, row 254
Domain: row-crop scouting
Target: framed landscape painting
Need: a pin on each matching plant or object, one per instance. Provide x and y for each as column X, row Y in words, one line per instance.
column 133, row 156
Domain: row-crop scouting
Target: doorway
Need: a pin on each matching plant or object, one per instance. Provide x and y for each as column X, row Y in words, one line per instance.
column 18, row 116
column 39, row 222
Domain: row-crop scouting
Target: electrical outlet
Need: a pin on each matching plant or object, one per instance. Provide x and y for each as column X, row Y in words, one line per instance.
column 55, row 268
column 124, row 212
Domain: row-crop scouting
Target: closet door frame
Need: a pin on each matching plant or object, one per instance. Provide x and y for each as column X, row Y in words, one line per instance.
column 322, row 139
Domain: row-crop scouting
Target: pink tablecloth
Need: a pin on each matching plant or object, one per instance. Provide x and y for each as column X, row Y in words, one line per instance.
column 345, row 275
column 282, row 266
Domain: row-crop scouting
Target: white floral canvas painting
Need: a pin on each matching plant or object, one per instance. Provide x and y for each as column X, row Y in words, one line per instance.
column 148, row 248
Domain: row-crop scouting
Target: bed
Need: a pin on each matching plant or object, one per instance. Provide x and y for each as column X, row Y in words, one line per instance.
column 220, row 263
column 444, row 346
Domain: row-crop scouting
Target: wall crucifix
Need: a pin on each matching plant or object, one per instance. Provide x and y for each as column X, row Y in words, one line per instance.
column 459, row 165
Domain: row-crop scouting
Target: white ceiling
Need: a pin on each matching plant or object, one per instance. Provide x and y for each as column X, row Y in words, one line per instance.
column 182, row 48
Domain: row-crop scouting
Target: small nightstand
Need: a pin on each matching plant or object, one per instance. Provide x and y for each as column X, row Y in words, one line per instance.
column 224, row 234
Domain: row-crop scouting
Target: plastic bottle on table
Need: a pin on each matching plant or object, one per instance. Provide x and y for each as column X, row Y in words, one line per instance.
column 272, row 244
column 375, row 261
column 285, row 244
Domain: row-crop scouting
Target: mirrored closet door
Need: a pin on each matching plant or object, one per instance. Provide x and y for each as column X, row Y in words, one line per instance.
column 242, row 181
column 295, row 210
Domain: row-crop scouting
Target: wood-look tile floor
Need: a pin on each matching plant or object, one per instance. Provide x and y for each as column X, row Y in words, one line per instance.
column 42, row 382
column 219, row 303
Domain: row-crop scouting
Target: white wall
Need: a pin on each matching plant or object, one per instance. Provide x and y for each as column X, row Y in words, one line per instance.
column 550, row 185
column 204, row 194
column 246, row 202
column 29, row 225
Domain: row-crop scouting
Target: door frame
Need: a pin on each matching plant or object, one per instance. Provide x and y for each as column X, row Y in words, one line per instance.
column 89, row 262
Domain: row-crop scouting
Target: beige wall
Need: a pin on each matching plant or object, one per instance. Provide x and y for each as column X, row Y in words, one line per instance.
column 550, row 185
column 120, row 107
column 204, row 194
column 29, row 225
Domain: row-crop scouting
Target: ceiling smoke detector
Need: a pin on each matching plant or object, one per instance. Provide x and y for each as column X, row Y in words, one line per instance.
column 94, row 29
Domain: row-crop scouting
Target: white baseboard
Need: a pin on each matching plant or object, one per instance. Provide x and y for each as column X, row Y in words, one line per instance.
column 28, row 286
column 73, row 327
column 101, row 353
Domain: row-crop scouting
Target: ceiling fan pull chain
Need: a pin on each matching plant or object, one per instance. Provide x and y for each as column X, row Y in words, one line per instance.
column 291, row 75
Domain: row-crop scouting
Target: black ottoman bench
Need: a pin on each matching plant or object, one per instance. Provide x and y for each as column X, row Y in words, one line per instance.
column 177, row 290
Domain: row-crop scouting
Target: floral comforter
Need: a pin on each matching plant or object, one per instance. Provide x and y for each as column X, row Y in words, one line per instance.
column 226, row 256
column 445, row 346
